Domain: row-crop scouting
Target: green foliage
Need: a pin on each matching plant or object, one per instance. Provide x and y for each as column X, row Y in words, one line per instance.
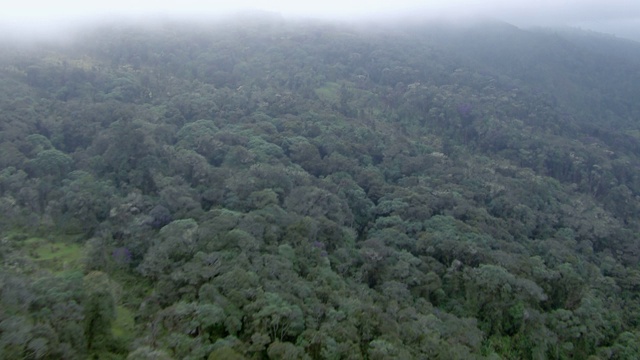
column 99, row 313
column 176, row 243
column 38, row 143
column 278, row 318
column 50, row 162
column 147, row 353
column 199, row 136
column 310, row 190
column 124, row 323
column 225, row 353
column 57, row 256
column 285, row 351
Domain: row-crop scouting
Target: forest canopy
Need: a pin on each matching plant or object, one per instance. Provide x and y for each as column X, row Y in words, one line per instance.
column 270, row 189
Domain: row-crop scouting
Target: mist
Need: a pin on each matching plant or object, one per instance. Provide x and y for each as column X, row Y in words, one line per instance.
column 43, row 19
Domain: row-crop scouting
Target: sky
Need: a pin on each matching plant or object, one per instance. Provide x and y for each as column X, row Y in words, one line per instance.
column 620, row 17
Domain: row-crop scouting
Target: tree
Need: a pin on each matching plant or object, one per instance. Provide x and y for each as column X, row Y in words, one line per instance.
column 87, row 200
column 99, row 312
column 147, row 353
column 225, row 353
column 316, row 202
column 277, row 317
column 304, row 153
column 500, row 299
column 199, row 136
column 50, row 162
column 176, row 244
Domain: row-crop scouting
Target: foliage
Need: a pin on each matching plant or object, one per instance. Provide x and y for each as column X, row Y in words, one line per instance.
column 267, row 189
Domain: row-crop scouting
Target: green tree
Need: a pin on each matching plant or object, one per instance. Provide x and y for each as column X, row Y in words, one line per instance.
column 176, row 244
column 99, row 312
column 275, row 316
column 50, row 162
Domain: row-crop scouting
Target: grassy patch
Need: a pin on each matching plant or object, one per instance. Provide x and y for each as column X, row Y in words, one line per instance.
column 53, row 255
column 634, row 133
column 123, row 326
column 329, row 92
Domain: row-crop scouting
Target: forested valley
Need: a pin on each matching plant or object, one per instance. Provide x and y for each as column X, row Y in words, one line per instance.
column 260, row 188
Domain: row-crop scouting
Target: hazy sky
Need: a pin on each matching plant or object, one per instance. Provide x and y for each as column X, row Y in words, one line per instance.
column 618, row 16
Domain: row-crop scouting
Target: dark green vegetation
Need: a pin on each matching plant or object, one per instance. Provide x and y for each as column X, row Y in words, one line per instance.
column 271, row 190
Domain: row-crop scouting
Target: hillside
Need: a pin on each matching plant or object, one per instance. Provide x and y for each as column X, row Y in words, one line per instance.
column 271, row 189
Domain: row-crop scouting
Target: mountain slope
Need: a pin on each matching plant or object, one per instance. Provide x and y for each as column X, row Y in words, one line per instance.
column 264, row 188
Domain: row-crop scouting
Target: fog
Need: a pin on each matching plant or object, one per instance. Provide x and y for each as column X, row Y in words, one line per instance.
column 47, row 18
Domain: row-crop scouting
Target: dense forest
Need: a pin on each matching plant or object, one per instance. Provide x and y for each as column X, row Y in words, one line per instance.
column 260, row 188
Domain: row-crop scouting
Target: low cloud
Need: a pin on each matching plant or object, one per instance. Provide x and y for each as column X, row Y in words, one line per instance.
column 45, row 16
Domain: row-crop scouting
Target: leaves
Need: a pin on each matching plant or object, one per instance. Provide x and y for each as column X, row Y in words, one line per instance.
column 313, row 190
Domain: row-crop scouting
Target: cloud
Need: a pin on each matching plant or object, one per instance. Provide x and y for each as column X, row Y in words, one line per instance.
column 561, row 9
column 572, row 10
column 40, row 14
